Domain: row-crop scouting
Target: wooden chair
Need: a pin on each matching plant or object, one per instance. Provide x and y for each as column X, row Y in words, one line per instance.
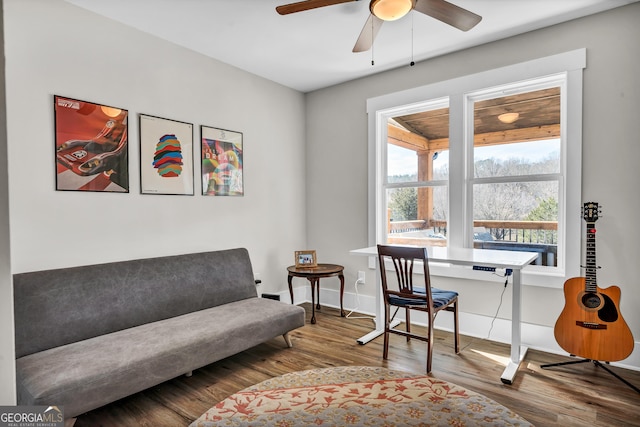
column 410, row 297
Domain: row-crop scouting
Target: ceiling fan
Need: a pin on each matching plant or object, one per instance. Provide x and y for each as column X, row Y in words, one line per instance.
column 391, row 10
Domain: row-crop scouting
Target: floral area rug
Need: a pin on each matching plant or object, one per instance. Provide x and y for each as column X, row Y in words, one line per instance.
column 357, row 396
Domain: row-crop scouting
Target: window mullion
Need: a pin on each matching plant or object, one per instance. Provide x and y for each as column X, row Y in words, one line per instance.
column 458, row 173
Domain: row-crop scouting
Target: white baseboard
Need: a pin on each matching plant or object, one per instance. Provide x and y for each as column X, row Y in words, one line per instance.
column 536, row 337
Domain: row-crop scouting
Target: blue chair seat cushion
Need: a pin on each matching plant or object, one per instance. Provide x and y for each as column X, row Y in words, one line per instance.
column 440, row 298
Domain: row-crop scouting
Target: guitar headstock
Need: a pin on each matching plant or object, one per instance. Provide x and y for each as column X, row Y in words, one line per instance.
column 590, row 211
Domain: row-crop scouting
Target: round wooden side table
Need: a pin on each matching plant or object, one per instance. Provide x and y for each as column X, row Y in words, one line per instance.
column 313, row 275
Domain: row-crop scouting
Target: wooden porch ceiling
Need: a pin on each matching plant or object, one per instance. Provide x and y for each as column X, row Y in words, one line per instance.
column 539, row 119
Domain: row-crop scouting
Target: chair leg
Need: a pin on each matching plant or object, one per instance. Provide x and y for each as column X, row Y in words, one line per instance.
column 408, row 322
column 387, row 322
column 430, row 343
column 456, row 328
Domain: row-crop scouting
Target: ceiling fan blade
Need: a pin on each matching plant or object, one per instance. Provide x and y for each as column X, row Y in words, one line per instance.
column 448, row 13
column 300, row 6
column 368, row 34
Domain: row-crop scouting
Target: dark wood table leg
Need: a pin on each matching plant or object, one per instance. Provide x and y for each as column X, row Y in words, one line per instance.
column 313, row 281
column 318, row 294
column 341, row 276
column 289, row 279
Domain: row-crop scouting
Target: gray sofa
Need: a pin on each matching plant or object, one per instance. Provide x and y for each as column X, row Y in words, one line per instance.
column 87, row 336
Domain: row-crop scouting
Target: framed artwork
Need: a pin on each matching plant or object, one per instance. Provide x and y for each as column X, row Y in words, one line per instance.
column 306, row 259
column 166, row 156
column 221, row 162
column 91, row 146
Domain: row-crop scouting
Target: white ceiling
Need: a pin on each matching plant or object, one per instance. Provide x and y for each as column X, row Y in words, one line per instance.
column 313, row 49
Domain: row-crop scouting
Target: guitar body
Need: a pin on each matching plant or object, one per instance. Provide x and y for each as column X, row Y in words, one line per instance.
column 590, row 325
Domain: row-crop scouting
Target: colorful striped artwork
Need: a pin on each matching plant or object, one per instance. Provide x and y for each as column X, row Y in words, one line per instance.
column 167, row 158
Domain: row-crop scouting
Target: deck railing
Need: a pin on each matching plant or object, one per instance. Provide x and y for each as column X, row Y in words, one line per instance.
column 531, row 236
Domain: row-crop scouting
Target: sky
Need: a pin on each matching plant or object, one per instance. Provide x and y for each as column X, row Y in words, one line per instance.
column 402, row 161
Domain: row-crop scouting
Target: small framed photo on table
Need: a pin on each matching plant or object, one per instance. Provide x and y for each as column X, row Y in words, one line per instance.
column 306, row 259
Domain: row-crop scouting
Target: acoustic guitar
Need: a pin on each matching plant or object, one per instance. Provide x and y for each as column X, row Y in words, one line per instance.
column 590, row 325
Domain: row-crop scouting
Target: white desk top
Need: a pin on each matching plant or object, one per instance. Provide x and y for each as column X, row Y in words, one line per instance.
column 465, row 256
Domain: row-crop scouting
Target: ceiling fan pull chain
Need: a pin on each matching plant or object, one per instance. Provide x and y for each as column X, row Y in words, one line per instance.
column 412, row 63
column 372, row 43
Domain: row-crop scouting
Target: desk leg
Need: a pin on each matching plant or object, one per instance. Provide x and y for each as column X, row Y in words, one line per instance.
column 517, row 352
column 312, row 281
column 379, row 319
column 341, row 277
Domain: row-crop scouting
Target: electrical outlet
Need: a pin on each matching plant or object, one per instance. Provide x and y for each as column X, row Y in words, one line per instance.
column 361, row 276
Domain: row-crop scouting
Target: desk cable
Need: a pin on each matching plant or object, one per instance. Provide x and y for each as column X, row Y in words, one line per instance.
column 349, row 316
column 495, row 316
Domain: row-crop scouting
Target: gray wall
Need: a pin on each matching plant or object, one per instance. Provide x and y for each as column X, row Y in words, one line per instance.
column 53, row 47
column 337, row 141
column 7, row 366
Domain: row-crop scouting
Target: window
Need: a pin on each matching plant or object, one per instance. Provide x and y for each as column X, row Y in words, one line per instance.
column 515, row 185
column 417, row 175
column 448, row 167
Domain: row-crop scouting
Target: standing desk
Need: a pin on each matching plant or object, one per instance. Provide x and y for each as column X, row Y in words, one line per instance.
column 469, row 257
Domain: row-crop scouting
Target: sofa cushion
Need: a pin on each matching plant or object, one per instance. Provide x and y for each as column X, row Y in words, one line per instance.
column 87, row 374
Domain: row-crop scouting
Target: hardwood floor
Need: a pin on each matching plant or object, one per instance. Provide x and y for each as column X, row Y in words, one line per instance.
column 575, row 395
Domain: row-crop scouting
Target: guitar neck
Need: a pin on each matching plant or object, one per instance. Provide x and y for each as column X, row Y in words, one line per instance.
column 591, row 266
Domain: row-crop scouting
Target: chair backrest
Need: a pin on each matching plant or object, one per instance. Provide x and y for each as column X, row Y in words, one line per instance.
column 404, row 259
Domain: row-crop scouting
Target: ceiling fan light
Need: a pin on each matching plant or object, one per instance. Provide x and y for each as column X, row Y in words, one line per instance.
column 508, row 117
column 390, row 10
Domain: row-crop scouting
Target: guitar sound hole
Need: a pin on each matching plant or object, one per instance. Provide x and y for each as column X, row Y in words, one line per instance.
column 591, row 300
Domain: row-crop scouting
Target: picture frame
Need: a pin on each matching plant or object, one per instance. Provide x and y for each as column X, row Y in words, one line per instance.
column 166, row 156
column 91, row 146
column 221, row 162
column 306, row 259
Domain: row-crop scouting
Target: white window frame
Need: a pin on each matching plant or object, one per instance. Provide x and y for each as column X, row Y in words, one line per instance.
column 461, row 92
